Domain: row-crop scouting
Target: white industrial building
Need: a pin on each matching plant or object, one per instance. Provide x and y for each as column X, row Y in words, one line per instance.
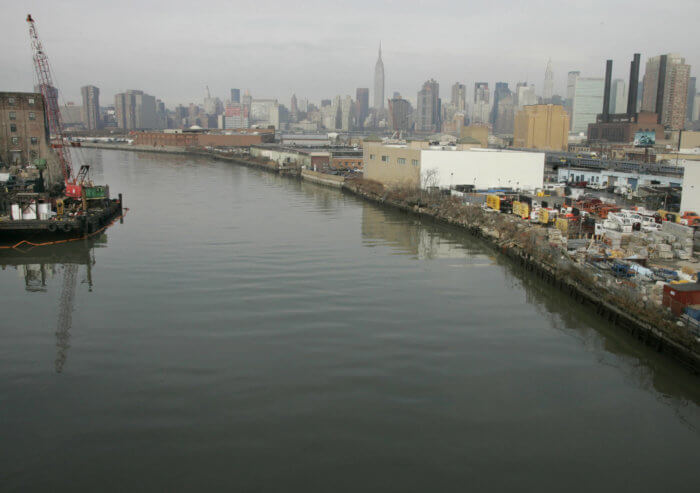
column 690, row 198
column 607, row 177
column 482, row 168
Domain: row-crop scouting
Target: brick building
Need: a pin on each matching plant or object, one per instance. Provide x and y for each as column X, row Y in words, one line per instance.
column 346, row 162
column 622, row 127
column 24, row 133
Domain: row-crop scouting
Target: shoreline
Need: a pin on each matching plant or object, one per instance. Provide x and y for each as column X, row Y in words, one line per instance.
column 522, row 244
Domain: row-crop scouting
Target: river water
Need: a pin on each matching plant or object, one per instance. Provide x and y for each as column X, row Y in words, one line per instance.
column 241, row 331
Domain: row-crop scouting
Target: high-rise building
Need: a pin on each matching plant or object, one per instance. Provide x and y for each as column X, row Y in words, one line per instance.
column 125, row 106
column 235, row 95
column 91, row 107
column 146, row 111
column 379, row 82
column 618, row 97
column 136, row 110
column 459, row 97
column 570, row 83
column 505, row 114
column 666, row 80
column 294, row 108
column 500, row 91
column 525, row 95
column 346, row 114
column 265, row 112
column 428, row 110
column 691, row 98
column 481, row 109
column 235, row 116
column 212, row 105
column 362, row 103
column 587, row 102
column 541, row 126
column 548, row 87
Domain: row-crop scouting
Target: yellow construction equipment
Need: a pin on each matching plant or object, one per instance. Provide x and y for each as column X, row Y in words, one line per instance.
column 494, row 202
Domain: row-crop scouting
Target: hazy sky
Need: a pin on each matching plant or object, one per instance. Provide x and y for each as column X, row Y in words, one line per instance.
column 318, row 49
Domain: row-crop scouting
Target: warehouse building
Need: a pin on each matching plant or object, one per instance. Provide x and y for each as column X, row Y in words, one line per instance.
column 690, row 198
column 24, row 134
column 448, row 166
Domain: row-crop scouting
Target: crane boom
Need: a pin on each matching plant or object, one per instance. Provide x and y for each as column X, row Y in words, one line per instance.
column 53, row 112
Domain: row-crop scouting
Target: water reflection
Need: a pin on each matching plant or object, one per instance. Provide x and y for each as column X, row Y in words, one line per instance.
column 411, row 235
column 426, row 239
column 38, row 266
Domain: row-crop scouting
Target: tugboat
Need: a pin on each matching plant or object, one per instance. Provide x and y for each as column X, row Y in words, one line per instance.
column 77, row 207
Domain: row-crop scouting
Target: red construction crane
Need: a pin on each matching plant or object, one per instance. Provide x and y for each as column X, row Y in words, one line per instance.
column 73, row 184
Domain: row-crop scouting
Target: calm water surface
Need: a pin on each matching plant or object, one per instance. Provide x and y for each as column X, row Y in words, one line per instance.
column 246, row 332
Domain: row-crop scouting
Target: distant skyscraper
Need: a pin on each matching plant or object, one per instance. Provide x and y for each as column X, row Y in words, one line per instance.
column 482, row 97
column 346, row 111
column 505, row 115
column 362, row 97
column 666, row 89
column 247, row 101
column 500, row 91
column 91, row 107
column 570, row 83
column 235, row 95
column 525, row 95
column 428, row 110
column 379, row 82
column 399, row 114
column 691, row 98
column 294, row 107
column 459, row 96
column 618, row 97
column 136, row 110
column 587, row 102
column 548, row 87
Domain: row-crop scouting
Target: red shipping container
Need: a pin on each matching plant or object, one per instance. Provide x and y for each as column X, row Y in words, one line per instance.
column 678, row 296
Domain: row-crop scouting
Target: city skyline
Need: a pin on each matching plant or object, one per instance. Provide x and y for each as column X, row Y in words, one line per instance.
column 327, row 61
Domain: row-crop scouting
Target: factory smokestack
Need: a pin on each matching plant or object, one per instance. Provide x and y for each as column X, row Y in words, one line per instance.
column 661, row 87
column 606, row 94
column 634, row 85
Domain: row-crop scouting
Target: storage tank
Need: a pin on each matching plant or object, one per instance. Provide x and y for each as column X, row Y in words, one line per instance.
column 16, row 212
column 44, row 211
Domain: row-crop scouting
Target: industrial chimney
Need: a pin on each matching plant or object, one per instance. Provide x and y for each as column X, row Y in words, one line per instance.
column 634, row 85
column 606, row 94
column 661, row 87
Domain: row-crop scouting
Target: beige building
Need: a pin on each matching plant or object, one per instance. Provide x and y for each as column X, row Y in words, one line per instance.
column 393, row 165
column 541, row 126
column 478, row 132
column 667, row 76
column 689, row 140
column 24, row 134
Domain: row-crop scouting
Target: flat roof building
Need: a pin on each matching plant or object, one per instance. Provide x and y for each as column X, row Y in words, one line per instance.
column 541, row 126
column 587, row 102
column 419, row 164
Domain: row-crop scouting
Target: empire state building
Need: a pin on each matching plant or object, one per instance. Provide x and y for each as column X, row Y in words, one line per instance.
column 379, row 82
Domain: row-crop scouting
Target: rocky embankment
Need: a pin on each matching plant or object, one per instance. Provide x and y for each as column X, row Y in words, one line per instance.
column 534, row 247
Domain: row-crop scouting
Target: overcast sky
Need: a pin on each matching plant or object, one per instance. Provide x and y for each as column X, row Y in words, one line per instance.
column 318, row 49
